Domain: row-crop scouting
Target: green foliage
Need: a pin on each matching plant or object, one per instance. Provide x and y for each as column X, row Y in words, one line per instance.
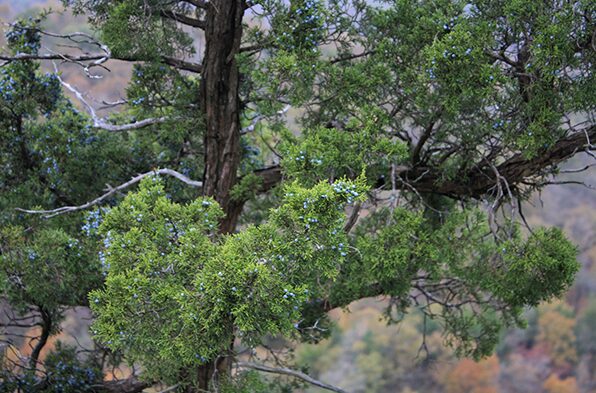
column 68, row 373
column 535, row 270
column 23, row 91
column 154, row 36
column 394, row 247
column 246, row 189
column 301, row 29
column 323, row 153
column 50, row 269
column 192, row 290
column 152, row 250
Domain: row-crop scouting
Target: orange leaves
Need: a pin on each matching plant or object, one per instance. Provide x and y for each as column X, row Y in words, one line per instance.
column 474, row 377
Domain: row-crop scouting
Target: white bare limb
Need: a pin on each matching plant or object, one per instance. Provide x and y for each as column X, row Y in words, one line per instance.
column 292, row 373
column 255, row 120
column 170, row 389
column 112, row 104
column 113, row 190
column 102, row 123
column 85, row 59
column 130, row 126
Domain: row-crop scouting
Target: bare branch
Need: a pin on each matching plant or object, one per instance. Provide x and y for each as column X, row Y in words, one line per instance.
column 351, row 57
column 578, row 170
column 270, row 176
column 128, row 385
column 101, row 123
column 579, row 183
column 52, row 56
column 181, row 64
column 500, row 56
column 353, row 217
column 111, row 191
column 292, row 373
column 46, row 328
column 95, row 59
column 253, row 48
column 112, row 104
column 424, row 137
column 131, row 126
column 480, row 179
column 170, row 389
column 255, row 120
column 184, row 19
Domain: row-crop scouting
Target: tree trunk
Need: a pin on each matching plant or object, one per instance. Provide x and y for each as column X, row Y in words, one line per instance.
column 220, row 104
column 46, row 328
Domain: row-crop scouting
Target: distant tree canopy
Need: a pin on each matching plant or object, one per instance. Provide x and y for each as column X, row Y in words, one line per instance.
column 417, row 129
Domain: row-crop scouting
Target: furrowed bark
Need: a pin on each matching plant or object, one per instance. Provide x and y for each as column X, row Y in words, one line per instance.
column 220, row 104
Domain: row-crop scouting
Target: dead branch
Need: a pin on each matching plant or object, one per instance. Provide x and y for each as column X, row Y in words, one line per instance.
column 102, row 123
column 292, row 373
column 111, row 191
column 90, row 60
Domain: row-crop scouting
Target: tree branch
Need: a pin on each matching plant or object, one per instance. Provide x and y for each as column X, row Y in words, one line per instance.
column 112, row 191
column 259, row 117
column 184, row 19
column 351, row 57
column 101, row 123
column 182, row 64
column 292, row 373
column 270, row 176
column 480, row 179
column 96, row 59
column 424, row 137
column 128, row 385
column 353, row 217
column 46, row 327
column 130, row 126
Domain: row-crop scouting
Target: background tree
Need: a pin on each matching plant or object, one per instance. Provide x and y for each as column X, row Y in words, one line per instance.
column 555, row 385
column 470, row 376
column 436, row 118
column 556, row 332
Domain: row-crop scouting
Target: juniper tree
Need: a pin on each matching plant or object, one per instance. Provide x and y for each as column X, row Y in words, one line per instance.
column 436, row 119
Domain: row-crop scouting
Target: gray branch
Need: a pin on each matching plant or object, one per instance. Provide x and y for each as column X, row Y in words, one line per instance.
column 184, row 19
column 89, row 60
column 292, row 373
column 255, row 120
column 102, row 123
column 113, row 190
